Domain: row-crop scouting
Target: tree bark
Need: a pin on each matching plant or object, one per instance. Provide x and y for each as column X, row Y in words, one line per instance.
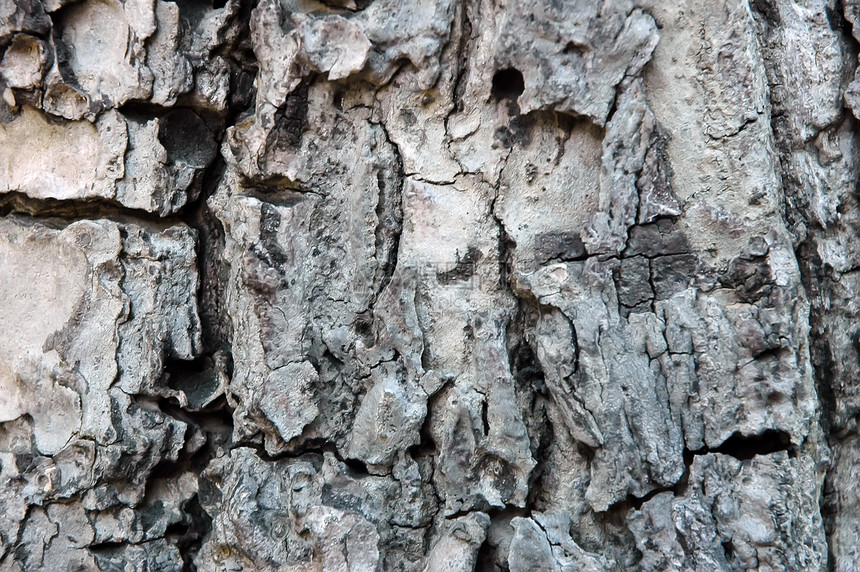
column 429, row 285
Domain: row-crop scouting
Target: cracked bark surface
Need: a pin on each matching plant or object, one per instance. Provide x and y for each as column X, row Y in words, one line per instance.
column 430, row 285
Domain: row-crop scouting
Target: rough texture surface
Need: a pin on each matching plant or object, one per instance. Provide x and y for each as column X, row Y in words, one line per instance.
column 429, row 285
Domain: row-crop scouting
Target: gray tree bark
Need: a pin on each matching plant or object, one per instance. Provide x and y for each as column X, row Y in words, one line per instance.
column 429, row 285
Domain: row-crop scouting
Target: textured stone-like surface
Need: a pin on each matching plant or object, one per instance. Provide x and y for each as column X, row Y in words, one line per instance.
column 92, row 311
column 431, row 285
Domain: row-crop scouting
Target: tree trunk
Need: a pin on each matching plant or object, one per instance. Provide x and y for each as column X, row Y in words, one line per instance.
column 429, row 285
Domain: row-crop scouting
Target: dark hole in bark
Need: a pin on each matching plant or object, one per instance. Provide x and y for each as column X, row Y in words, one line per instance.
column 197, row 378
column 357, row 466
column 187, row 138
column 572, row 48
column 363, row 326
column 585, row 451
column 508, row 84
column 102, row 547
column 176, row 529
column 746, row 447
